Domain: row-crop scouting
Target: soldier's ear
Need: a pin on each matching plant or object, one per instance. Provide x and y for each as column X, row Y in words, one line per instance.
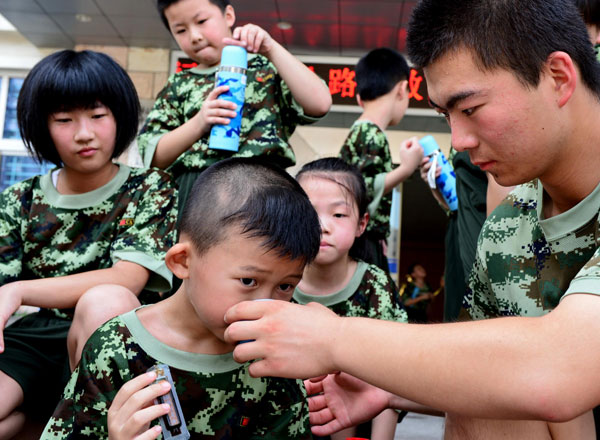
column 178, row 259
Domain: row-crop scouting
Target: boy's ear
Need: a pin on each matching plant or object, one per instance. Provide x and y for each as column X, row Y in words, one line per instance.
column 560, row 70
column 402, row 88
column 359, row 100
column 362, row 224
column 229, row 14
column 178, row 259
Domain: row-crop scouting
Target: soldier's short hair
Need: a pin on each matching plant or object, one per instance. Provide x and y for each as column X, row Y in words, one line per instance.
column 161, row 5
column 378, row 72
column 69, row 80
column 352, row 183
column 515, row 35
column 258, row 198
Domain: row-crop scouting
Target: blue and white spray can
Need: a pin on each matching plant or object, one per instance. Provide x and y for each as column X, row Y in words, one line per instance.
column 446, row 182
column 232, row 73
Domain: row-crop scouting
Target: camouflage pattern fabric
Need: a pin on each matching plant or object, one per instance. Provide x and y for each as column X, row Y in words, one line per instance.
column 46, row 234
column 270, row 116
column 371, row 293
column 219, row 399
column 367, row 148
column 524, row 265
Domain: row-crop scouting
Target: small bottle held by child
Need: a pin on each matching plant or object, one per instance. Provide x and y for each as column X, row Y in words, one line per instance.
column 232, row 73
column 446, row 181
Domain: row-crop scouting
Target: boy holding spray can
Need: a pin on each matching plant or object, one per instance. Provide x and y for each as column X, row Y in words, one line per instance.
column 281, row 93
column 382, row 91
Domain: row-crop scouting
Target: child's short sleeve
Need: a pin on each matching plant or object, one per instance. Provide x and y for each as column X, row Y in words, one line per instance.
column 14, row 201
column 146, row 230
column 102, row 371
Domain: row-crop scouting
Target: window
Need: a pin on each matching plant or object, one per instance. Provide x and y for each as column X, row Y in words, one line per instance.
column 11, row 128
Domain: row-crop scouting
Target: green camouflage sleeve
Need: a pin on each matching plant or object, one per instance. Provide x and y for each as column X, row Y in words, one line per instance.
column 166, row 115
column 103, row 369
column 288, row 418
column 587, row 279
column 366, row 147
column 385, row 301
column 12, row 201
column 152, row 229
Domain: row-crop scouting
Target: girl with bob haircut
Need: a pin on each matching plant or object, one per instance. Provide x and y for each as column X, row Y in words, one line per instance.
column 81, row 242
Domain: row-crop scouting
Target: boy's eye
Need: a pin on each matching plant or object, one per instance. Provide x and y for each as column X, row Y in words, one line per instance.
column 202, row 21
column 286, row 287
column 248, row 282
column 339, row 215
column 468, row 111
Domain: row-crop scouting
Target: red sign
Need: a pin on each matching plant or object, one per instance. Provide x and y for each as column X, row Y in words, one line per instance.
column 341, row 80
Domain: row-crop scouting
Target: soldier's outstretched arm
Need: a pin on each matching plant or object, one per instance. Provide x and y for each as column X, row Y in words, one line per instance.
column 514, row 368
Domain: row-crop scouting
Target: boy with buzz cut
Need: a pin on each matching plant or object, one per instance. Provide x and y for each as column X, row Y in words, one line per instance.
column 246, row 233
column 382, row 91
column 281, row 93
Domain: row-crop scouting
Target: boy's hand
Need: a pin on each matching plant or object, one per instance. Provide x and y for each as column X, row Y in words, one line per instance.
column 254, row 38
column 215, row 111
column 133, row 409
column 10, row 301
column 411, row 153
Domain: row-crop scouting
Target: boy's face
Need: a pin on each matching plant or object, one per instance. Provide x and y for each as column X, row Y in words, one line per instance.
column 513, row 132
column 199, row 27
column 237, row 269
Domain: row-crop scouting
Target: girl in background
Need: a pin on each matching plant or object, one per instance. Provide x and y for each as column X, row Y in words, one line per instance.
column 338, row 278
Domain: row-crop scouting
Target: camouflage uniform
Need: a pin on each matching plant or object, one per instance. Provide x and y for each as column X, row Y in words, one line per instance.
column 525, row 265
column 218, row 397
column 45, row 234
column 367, row 148
column 270, row 116
column 371, row 293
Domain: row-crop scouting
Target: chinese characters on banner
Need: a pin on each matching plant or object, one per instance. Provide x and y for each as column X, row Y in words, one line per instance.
column 342, row 82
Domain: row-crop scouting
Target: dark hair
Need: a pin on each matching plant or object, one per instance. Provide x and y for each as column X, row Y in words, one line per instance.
column 379, row 71
column 260, row 198
column 161, row 5
column 69, row 80
column 589, row 10
column 516, row 35
column 351, row 180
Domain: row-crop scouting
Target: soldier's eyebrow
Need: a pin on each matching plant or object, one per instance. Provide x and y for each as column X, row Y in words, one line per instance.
column 455, row 99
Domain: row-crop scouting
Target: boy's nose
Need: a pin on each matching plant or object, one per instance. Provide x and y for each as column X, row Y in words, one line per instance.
column 196, row 34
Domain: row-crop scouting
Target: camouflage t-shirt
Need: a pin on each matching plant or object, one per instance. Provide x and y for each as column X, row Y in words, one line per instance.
column 371, row 293
column 269, row 117
column 46, row 234
column 367, row 148
column 525, row 264
column 219, row 399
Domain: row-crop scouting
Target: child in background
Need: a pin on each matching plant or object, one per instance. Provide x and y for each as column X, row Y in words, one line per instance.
column 382, row 91
column 415, row 293
column 281, row 93
column 247, row 232
column 338, row 278
column 88, row 222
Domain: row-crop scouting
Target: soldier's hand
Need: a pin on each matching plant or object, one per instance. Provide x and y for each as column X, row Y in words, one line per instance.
column 133, row 409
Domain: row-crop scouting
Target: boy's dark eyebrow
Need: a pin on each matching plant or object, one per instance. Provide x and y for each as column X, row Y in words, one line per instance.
column 251, row 268
column 454, row 99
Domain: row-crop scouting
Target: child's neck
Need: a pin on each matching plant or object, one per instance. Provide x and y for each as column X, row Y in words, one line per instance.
column 174, row 322
column 72, row 182
column 327, row 279
column 378, row 111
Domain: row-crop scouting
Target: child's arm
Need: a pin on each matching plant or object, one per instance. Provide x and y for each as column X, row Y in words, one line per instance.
column 411, row 155
column 307, row 88
column 64, row 292
column 174, row 143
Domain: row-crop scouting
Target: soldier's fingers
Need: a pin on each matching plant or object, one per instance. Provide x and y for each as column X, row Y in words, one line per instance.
column 131, row 387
